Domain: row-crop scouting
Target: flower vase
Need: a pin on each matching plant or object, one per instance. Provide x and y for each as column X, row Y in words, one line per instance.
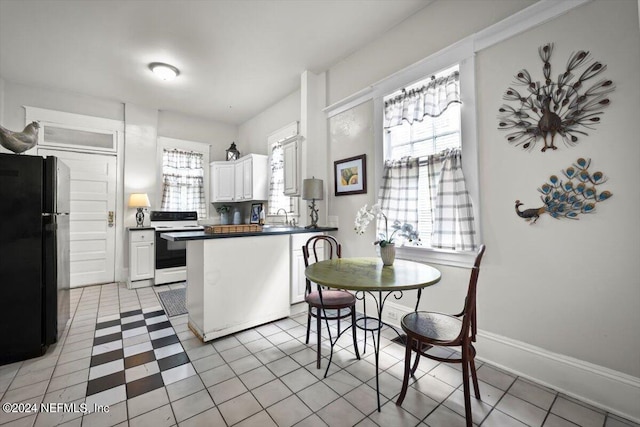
column 388, row 254
column 224, row 218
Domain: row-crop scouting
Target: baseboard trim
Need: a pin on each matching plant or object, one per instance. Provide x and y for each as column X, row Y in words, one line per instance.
column 601, row 387
column 596, row 385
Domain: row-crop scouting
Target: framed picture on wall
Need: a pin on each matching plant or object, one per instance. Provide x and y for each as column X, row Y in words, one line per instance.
column 350, row 175
column 256, row 208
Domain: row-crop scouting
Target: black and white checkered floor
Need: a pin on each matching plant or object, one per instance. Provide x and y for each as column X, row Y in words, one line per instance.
column 122, row 351
column 120, row 372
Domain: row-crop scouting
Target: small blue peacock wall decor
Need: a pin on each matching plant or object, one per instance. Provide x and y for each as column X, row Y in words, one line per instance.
column 548, row 108
column 571, row 198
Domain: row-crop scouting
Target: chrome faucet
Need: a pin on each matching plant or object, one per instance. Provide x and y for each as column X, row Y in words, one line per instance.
column 286, row 217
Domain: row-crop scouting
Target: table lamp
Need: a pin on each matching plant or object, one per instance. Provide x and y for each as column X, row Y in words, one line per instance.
column 312, row 190
column 139, row 201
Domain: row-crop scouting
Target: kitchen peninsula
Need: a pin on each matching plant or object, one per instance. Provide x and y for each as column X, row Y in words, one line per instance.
column 240, row 280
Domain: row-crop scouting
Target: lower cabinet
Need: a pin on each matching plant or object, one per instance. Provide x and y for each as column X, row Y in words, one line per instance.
column 141, row 257
column 236, row 283
column 298, row 279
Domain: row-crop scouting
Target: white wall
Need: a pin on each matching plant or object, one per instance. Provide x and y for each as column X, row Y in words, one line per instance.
column 566, row 276
column 252, row 134
column 18, row 95
column 351, row 134
column 562, row 292
column 218, row 135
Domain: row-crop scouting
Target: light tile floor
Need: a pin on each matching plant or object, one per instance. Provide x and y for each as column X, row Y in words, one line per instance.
column 265, row 376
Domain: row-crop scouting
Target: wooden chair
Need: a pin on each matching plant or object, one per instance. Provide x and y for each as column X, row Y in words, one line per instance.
column 437, row 329
column 331, row 304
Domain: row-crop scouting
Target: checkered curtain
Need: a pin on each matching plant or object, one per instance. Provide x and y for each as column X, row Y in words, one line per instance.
column 398, row 195
column 429, row 100
column 453, row 221
column 183, row 182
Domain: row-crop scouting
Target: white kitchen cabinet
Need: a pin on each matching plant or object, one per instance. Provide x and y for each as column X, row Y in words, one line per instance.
column 141, row 257
column 222, row 181
column 238, row 181
column 298, row 279
column 290, row 155
column 242, row 180
column 247, row 179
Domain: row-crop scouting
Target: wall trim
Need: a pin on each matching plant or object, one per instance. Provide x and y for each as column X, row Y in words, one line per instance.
column 532, row 16
column 596, row 385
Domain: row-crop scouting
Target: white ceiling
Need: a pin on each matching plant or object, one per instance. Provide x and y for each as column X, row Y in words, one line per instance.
column 236, row 57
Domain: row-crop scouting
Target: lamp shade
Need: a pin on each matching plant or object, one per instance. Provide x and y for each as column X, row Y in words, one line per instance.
column 312, row 189
column 139, row 200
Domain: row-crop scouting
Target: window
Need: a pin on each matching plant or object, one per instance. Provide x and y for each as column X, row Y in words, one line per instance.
column 277, row 199
column 423, row 122
column 183, row 181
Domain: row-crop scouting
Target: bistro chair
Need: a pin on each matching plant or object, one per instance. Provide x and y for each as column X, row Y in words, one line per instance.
column 426, row 329
column 327, row 304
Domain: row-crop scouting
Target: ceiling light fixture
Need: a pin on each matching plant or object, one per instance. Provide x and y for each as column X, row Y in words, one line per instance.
column 164, row 71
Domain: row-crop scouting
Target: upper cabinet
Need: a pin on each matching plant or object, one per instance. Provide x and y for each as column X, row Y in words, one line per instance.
column 287, row 137
column 241, row 180
column 222, row 181
column 290, row 155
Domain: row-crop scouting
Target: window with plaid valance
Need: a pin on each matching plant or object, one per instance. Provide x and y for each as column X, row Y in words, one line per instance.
column 183, row 182
column 423, row 184
column 429, row 99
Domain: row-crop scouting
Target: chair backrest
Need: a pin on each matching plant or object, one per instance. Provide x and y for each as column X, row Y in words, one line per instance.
column 310, row 251
column 469, row 313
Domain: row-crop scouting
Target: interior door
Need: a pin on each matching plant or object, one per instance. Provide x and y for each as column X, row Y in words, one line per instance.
column 93, row 198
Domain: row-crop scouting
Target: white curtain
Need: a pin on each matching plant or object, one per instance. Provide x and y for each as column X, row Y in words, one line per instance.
column 431, row 100
column 183, row 182
column 453, row 220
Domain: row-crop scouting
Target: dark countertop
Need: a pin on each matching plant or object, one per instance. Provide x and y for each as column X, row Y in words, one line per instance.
column 140, row 228
column 180, row 236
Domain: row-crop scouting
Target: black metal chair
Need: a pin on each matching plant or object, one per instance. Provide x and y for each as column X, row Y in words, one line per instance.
column 427, row 329
column 328, row 304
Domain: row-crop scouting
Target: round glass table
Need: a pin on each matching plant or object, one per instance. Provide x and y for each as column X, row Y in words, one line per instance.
column 369, row 276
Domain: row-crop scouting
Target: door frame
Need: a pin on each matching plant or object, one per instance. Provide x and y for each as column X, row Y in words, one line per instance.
column 98, row 124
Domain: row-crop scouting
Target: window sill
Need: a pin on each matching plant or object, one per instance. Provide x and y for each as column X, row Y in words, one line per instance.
column 437, row 256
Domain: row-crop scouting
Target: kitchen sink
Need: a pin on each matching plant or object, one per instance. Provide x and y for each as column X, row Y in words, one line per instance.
column 279, row 227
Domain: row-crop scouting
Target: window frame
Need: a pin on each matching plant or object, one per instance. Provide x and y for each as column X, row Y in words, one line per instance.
column 462, row 54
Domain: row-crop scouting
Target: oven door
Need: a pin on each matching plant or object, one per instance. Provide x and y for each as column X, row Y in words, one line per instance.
column 169, row 254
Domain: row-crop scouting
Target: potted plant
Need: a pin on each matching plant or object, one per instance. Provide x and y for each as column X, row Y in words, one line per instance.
column 223, row 210
column 387, row 245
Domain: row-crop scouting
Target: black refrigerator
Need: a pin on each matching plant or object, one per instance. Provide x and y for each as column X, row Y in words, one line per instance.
column 34, row 254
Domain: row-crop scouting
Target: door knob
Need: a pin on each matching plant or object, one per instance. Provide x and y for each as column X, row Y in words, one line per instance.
column 110, row 219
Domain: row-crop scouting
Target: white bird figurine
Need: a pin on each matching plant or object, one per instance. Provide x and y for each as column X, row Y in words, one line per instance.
column 19, row 142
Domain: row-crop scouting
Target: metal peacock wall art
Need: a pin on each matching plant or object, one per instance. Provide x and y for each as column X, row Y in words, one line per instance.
column 571, row 198
column 549, row 108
